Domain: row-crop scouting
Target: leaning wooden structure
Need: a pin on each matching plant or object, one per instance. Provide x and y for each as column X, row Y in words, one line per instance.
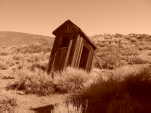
column 71, row 48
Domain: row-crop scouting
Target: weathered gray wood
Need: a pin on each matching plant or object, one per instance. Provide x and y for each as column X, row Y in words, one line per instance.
column 60, row 58
column 89, row 62
column 68, row 48
column 72, row 51
column 81, row 44
column 52, row 55
column 68, row 53
column 75, row 54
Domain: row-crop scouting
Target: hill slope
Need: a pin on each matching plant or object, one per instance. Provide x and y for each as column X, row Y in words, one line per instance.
column 8, row 38
column 118, row 49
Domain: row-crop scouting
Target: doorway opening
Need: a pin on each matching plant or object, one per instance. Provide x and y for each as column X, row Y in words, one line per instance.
column 84, row 58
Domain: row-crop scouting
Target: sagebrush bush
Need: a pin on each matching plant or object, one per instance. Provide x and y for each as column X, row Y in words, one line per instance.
column 72, row 80
column 129, row 95
column 7, row 105
column 117, row 50
column 33, row 48
column 38, row 82
column 137, row 60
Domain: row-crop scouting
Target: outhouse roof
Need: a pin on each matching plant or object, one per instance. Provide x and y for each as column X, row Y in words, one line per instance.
column 69, row 27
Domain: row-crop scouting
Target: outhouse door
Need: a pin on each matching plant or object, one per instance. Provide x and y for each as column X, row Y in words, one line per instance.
column 84, row 58
column 62, row 54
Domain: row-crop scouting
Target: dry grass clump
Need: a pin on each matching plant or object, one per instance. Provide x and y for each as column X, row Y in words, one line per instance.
column 7, row 105
column 73, row 80
column 40, row 83
column 33, row 48
column 67, row 108
column 137, row 60
column 33, row 83
column 115, row 50
column 115, row 54
column 42, row 67
column 129, row 95
column 31, row 60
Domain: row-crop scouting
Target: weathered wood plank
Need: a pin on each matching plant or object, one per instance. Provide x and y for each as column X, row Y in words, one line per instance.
column 72, row 50
column 89, row 62
column 59, row 58
column 68, row 53
column 81, row 44
column 75, row 52
column 52, row 54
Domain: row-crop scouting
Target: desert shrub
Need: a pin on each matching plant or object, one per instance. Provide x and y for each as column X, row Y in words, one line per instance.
column 73, row 80
column 115, row 50
column 36, row 83
column 33, row 48
column 137, row 60
column 109, row 57
column 129, row 95
column 7, row 105
column 35, row 66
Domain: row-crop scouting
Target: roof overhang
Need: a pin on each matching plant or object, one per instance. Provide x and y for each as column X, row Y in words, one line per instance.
column 69, row 27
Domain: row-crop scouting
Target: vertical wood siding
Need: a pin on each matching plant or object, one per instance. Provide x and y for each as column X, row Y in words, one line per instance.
column 78, row 47
column 73, row 54
column 68, row 53
column 60, row 58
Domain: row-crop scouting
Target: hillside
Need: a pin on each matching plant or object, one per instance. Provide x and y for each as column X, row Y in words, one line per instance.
column 18, row 50
column 119, row 49
column 8, row 38
column 113, row 49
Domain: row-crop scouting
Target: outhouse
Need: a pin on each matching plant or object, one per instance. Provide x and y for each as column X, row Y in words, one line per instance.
column 71, row 48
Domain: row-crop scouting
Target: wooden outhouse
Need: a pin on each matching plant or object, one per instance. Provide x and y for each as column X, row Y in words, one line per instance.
column 71, row 48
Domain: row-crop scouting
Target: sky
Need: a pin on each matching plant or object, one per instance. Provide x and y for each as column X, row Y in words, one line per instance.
column 92, row 16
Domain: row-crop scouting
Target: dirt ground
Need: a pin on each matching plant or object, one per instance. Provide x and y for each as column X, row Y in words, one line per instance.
column 26, row 102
